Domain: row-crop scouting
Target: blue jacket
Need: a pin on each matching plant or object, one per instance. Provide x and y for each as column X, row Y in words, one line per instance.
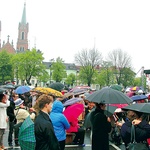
column 59, row 121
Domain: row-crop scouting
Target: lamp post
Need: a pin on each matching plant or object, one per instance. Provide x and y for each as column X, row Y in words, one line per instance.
column 50, row 73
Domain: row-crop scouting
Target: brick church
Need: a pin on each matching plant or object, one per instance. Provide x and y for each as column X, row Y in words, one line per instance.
column 22, row 41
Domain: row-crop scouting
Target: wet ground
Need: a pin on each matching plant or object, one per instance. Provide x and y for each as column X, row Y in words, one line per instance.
column 87, row 142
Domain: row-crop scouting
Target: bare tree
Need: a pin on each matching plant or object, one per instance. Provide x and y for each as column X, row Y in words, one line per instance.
column 120, row 61
column 88, row 60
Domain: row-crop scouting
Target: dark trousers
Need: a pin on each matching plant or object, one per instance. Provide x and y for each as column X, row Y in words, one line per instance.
column 10, row 134
column 62, row 144
column 16, row 131
column 79, row 136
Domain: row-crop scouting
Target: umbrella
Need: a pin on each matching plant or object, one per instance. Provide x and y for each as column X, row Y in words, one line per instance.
column 116, row 87
column 138, row 97
column 79, row 91
column 26, row 135
column 22, row 89
column 49, row 91
column 72, row 101
column 129, row 94
column 109, row 96
column 135, row 88
column 8, row 86
column 2, row 91
column 57, row 86
column 73, row 111
column 85, row 88
column 140, row 107
column 108, row 112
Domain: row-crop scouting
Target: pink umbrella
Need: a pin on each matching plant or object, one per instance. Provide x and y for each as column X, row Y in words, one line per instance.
column 130, row 94
column 73, row 111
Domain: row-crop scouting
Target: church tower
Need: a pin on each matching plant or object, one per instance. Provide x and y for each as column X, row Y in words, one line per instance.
column 22, row 42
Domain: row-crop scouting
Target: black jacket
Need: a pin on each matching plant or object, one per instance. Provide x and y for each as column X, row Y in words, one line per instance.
column 142, row 131
column 100, row 129
column 10, row 112
column 44, row 133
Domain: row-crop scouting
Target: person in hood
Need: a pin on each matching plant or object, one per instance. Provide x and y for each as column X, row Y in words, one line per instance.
column 60, row 122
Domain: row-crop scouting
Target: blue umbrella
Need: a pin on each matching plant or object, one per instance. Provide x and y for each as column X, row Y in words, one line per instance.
column 22, row 89
column 138, row 97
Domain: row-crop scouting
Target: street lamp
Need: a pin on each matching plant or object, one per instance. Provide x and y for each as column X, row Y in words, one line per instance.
column 50, row 73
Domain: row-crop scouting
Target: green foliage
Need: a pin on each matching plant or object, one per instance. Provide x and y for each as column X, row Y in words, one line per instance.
column 105, row 77
column 87, row 75
column 29, row 64
column 70, row 79
column 127, row 77
column 88, row 60
column 6, row 72
column 58, row 70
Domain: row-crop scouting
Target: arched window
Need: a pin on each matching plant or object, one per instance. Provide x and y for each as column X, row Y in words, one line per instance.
column 22, row 36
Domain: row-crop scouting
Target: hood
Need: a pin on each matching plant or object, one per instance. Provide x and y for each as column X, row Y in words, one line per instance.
column 57, row 106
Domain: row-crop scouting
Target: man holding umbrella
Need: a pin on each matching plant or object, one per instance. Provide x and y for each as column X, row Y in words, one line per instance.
column 101, row 126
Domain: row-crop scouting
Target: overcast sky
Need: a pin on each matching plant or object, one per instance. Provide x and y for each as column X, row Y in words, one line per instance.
column 61, row 28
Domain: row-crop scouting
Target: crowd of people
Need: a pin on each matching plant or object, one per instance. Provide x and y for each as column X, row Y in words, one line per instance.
column 54, row 117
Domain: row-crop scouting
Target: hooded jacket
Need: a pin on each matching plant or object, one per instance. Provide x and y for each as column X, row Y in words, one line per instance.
column 59, row 121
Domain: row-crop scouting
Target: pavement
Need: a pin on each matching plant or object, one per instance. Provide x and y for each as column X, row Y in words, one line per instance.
column 87, row 142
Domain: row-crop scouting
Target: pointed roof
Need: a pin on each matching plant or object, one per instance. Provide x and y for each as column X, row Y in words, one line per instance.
column 23, row 20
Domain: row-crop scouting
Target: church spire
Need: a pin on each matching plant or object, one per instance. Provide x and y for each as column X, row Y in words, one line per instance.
column 23, row 20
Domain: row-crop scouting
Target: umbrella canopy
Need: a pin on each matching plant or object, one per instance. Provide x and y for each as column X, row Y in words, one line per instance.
column 26, row 135
column 130, row 94
column 79, row 91
column 49, row 91
column 140, row 107
column 22, row 89
column 138, row 97
column 108, row 112
column 85, row 88
column 2, row 90
column 135, row 88
column 8, row 86
column 116, row 87
column 72, row 101
column 73, row 111
column 109, row 96
column 57, row 86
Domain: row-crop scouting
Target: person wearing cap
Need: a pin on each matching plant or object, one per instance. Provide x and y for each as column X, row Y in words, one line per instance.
column 101, row 127
column 21, row 114
column 4, row 103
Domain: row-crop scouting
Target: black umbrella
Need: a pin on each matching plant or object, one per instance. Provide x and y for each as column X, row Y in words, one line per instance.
column 109, row 96
column 108, row 112
column 57, row 86
column 140, row 107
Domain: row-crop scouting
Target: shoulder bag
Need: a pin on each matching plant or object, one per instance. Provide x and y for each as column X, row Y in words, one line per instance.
column 16, row 126
column 133, row 145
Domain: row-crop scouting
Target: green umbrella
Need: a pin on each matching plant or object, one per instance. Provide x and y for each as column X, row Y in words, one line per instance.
column 26, row 135
column 116, row 87
column 57, row 86
column 139, row 107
